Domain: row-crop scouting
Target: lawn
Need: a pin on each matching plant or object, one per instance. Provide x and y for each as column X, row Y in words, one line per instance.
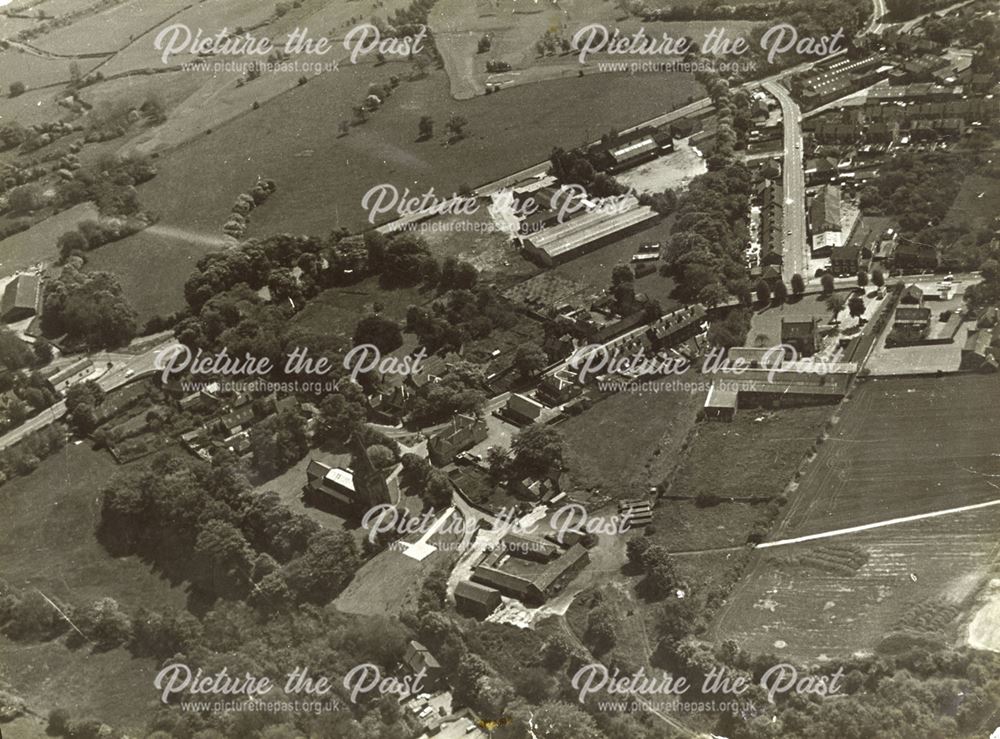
column 108, row 30
column 338, row 310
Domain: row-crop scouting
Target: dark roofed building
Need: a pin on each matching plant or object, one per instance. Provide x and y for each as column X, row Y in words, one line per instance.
column 476, row 600
column 463, row 432
column 824, row 211
column 803, row 336
column 978, row 355
column 20, row 298
column 418, row 657
column 912, row 295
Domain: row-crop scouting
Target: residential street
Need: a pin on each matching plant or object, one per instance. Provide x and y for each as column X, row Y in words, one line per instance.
column 795, row 257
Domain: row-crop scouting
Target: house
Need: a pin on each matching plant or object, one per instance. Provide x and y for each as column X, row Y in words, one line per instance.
column 755, row 356
column 476, row 600
column 911, row 295
column 463, row 432
column 543, row 489
column 418, row 658
column 71, row 374
column 911, row 324
column 720, row 404
column 824, row 218
column 238, row 420
column 559, row 387
column 912, row 256
column 20, row 298
column 523, row 409
column 802, row 336
column 978, row 355
column 535, row 586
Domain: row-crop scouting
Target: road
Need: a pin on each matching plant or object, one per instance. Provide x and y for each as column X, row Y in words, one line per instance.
column 877, row 26
column 124, row 368
column 795, row 246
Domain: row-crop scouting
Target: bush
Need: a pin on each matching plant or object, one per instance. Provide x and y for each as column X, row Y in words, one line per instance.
column 58, row 722
column 17, row 88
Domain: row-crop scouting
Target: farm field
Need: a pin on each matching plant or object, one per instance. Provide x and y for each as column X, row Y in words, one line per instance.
column 648, row 430
column 38, row 243
column 35, row 71
column 885, row 459
column 902, row 447
column 153, row 266
column 48, row 540
column 892, row 587
column 320, row 176
column 92, row 34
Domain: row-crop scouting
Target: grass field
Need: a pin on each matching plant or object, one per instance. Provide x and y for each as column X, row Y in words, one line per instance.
column 38, row 243
column 915, row 582
column 975, row 204
column 152, row 267
column 628, row 441
column 110, row 29
column 48, row 543
column 902, row 447
column 337, row 310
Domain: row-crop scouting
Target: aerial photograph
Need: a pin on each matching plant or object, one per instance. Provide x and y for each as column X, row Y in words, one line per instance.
column 500, row 369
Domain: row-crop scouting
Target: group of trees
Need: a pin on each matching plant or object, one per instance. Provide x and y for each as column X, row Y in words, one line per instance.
column 82, row 402
column 239, row 218
column 574, row 167
column 430, row 483
column 91, row 234
column 536, row 452
column 278, row 442
column 245, row 545
column 705, row 250
column 90, row 308
column 110, row 184
column 459, row 316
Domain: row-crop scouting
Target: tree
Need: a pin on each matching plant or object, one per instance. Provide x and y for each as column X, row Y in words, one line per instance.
column 798, row 285
column 763, row 292
column 17, row 88
column 780, row 291
column 620, row 274
column 456, row 126
column 835, row 302
column 636, row 549
column 555, row 720
column 712, row 295
column 661, row 577
column 69, row 242
column 529, row 359
column 426, row 127
column 344, row 127
column 856, row 305
column 878, row 279
column 862, row 278
column 381, row 332
column 24, row 198
column 827, row 282
column 538, row 451
column 437, row 489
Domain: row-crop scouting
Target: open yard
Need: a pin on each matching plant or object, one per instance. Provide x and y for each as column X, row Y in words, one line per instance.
column 902, row 447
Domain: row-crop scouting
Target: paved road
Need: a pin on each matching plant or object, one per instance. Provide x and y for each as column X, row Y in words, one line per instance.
column 124, row 369
column 795, row 257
